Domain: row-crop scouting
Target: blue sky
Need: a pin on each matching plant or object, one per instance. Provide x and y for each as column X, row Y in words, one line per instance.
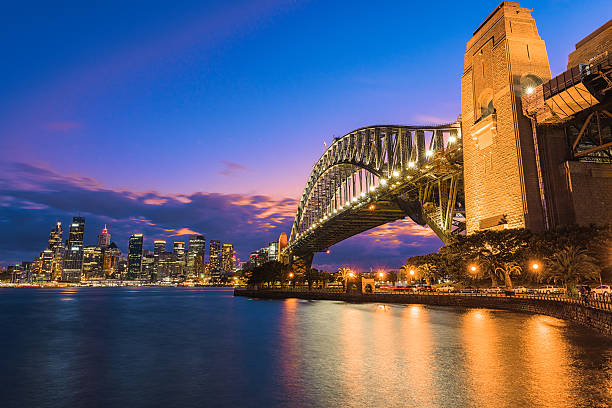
column 231, row 98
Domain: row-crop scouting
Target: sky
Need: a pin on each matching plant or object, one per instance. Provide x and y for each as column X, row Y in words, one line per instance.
column 173, row 118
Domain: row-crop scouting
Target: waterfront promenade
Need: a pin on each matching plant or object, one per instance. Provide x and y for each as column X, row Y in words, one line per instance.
column 594, row 312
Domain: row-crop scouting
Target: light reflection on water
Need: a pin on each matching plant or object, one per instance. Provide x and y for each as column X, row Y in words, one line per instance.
column 114, row 347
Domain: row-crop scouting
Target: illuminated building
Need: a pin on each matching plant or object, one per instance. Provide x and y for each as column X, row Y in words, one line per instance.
column 197, row 245
column 134, row 266
column 149, row 271
column 112, row 256
column 273, row 251
column 57, row 248
column 228, row 257
column 93, row 263
column 179, row 253
column 214, row 257
column 104, row 239
column 45, row 266
column 73, row 256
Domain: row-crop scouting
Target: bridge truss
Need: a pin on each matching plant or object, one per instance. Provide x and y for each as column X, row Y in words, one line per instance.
column 379, row 174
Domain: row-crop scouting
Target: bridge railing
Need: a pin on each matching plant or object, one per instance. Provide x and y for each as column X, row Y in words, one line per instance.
column 602, row 302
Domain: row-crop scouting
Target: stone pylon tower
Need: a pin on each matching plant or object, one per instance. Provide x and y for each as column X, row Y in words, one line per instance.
column 505, row 59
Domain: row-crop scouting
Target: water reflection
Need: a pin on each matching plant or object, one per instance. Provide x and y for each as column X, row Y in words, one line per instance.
column 174, row 347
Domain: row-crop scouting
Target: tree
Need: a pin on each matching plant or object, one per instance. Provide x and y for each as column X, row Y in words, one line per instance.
column 507, row 269
column 571, row 265
column 344, row 275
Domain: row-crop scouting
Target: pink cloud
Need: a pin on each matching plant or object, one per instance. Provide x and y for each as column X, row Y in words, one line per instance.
column 63, row 126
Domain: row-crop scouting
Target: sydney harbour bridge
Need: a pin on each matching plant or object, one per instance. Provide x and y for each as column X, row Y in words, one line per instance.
column 379, row 174
column 528, row 151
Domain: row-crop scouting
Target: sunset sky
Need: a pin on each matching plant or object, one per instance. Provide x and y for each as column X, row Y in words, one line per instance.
column 170, row 118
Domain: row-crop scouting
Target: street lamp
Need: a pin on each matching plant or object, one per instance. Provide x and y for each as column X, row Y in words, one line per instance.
column 412, row 272
column 351, row 275
column 291, row 275
column 535, row 266
column 381, row 275
column 473, row 268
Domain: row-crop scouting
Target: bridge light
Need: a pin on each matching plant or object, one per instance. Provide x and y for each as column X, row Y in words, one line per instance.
column 383, row 182
column 428, row 153
column 452, row 139
column 396, row 173
column 362, row 194
column 354, row 199
column 371, row 207
column 335, row 210
column 372, row 188
column 530, row 90
column 412, row 272
column 348, row 203
column 411, row 165
column 341, row 207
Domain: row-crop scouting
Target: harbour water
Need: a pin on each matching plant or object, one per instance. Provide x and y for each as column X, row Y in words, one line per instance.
column 199, row 347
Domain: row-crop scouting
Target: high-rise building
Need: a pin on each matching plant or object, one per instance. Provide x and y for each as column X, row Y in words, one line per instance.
column 167, row 267
column 104, row 239
column 149, row 272
column 159, row 247
column 112, row 256
column 273, row 251
column 73, row 257
column 57, row 248
column 228, row 258
column 179, row 252
column 93, row 263
column 214, row 257
column 55, row 237
column 197, row 245
column 134, row 267
column 45, row 266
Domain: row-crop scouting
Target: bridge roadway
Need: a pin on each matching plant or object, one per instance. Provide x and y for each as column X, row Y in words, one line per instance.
column 595, row 313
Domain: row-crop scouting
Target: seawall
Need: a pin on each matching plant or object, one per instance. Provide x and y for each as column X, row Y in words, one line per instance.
column 575, row 311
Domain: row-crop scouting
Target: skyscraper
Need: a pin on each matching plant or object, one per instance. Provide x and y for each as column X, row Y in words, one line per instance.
column 214, row 257
column 93, row 263
column 228, row 258
column 135, row 257
column 197, row 245
column 112, row 256
column 179, row 252
column 73, row 259
column 57, row 249
column 104, row 239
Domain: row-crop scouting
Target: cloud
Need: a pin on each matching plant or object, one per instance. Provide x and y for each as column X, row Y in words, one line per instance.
column 62, row 126
column 231, row 168
column 32, row 199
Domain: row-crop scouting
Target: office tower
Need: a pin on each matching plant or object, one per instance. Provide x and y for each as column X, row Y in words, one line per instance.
column 57, row 248
column 149, row 272
column 179, row 252
column 273, row 251
column 104, row 239
column 228, row 258
column 214, row 257
column 73, row 257
column 159, row 247
column 134, row 266
column 92, row 263
column 55, row 237
column 112, row 256
column 167, row 267
column 45, row 266
column 197, row 245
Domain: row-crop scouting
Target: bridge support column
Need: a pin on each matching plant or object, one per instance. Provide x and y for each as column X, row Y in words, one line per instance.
column 301, row 264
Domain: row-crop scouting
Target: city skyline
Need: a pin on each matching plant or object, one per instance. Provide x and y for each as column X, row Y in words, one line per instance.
column 166, row 157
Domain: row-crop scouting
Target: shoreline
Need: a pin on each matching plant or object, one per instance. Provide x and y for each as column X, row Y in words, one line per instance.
column 595, row 318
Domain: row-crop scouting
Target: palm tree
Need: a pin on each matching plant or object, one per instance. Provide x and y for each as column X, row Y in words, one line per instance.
column 570, row 265
column 343, row 275
column 507, row 269
column 427, row 271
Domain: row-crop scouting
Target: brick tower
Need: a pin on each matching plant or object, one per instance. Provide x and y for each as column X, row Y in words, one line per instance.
column 504, row 59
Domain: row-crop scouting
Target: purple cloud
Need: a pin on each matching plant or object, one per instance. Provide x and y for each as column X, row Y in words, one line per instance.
column 231, row 168
column 63, row 126
column 32, row 199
